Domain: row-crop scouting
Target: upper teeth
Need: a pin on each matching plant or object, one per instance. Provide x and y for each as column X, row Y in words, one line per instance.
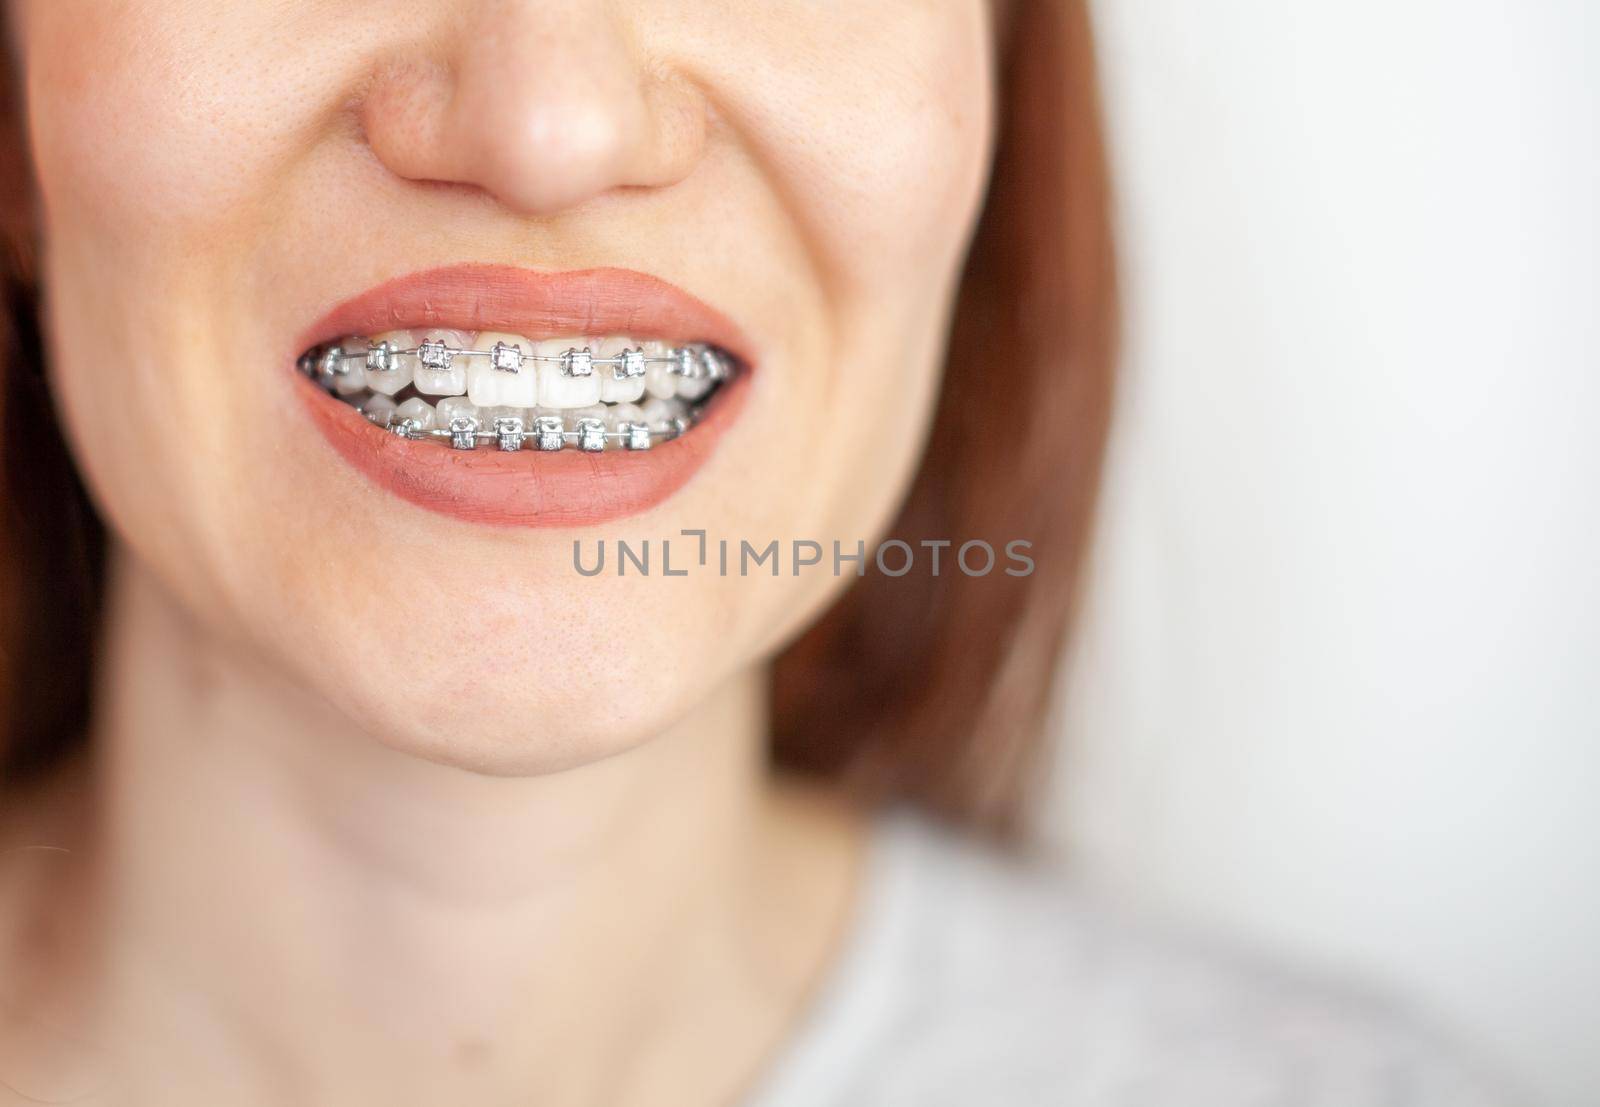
column 509, row 370
column 518, row 380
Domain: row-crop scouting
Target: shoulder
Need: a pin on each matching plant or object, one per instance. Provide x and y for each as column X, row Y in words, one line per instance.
column 981, row 978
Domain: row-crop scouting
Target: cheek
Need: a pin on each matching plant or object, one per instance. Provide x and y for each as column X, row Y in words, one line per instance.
column 909, row 177
column 145, row 117
column 876, row 123
column 871, row 126
column 159, row 146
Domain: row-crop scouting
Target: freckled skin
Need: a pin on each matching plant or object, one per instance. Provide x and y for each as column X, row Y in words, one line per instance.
column 215, row 177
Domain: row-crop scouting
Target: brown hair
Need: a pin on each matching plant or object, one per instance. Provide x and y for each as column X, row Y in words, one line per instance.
column 928, row 688
column 937, row 689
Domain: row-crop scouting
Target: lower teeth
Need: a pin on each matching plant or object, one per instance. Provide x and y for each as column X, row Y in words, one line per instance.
column 458, row 424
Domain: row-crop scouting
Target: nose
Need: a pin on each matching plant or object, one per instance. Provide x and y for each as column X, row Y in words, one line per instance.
column 543, row 104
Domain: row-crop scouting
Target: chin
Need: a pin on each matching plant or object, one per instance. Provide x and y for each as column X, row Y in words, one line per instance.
column 496, row 695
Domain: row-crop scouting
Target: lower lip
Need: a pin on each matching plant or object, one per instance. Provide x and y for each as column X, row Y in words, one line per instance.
column 528, row 488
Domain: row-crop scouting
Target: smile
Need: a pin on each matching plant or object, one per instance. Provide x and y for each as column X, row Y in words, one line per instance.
column 504, row 390
column 517, row 397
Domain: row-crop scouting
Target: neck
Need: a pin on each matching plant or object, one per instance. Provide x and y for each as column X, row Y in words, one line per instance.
column 289, row 898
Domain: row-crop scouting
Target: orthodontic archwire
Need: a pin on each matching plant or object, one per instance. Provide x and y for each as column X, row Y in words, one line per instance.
column 696, row 361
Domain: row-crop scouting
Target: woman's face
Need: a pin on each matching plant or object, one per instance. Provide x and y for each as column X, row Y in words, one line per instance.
column 226, row 187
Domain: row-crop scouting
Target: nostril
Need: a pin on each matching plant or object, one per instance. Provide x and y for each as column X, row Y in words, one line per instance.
column 492, row 113
column 402, row 113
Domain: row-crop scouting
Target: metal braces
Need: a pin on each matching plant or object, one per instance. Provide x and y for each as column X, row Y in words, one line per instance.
column 547, row 433
column 695, row 361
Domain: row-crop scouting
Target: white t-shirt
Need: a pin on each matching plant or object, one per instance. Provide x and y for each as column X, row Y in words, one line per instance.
column 971, row 980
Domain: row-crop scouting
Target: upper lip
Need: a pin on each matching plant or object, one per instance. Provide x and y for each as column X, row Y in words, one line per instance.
column 534, row 304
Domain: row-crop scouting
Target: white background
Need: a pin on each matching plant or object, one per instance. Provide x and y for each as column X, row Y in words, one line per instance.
column 1339, row 686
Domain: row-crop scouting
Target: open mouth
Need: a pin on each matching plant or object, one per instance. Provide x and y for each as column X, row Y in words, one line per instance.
column 518, row 397
column 464, row 390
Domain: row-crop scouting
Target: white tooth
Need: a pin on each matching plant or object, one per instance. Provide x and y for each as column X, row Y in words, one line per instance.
column 612, row 390
column 390, row 381
column 623, row 413
column 492, row 416
column 491, row 387
column 658, row 379
column 354, row 377
column 556, row 442
column 693, row 388
column 658, row 411
column 597, row 413
column 419, row 411
column 563, row 392
column 444, row 382
column 489, row 414
column 455, row 407
column 378, row 408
